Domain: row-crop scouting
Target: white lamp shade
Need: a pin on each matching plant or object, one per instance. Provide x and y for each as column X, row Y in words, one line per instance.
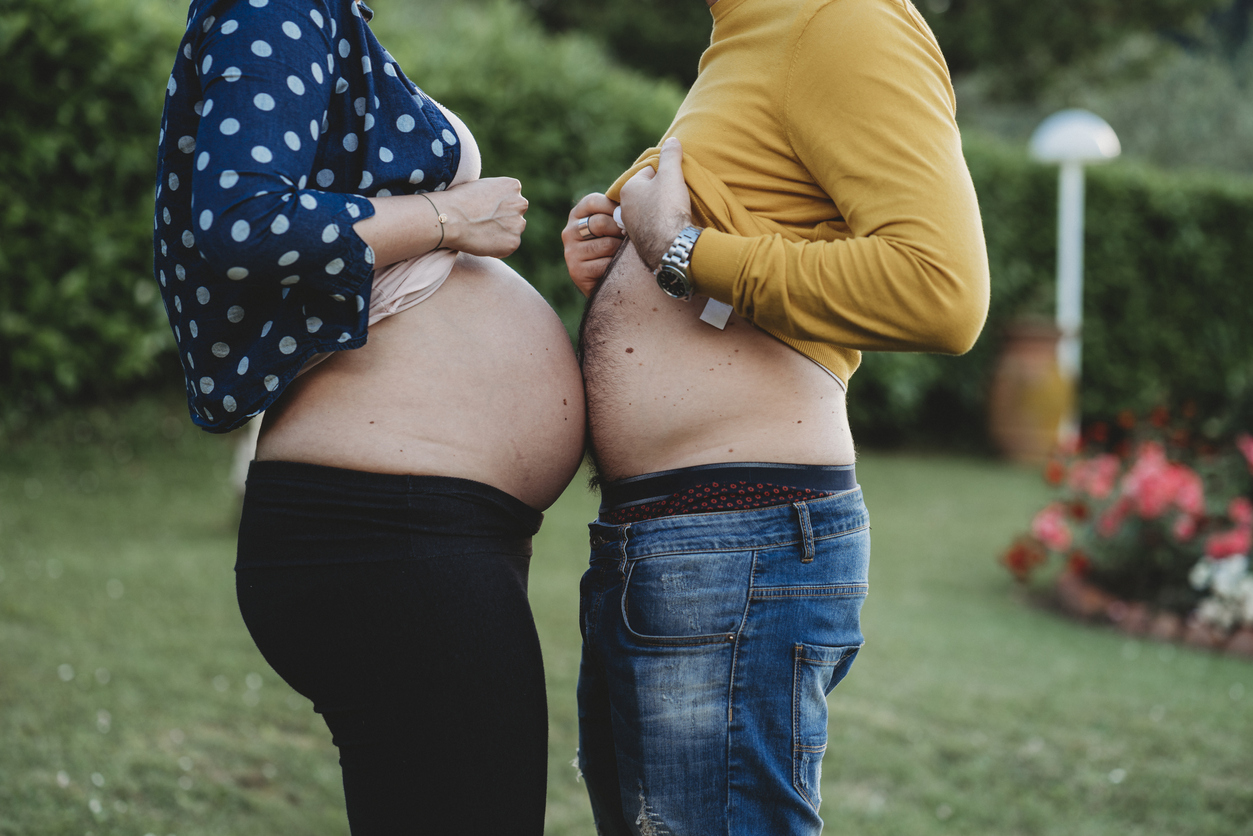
column 1074, row 136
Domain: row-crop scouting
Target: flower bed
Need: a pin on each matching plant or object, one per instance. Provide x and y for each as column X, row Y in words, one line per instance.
column 1154, row 528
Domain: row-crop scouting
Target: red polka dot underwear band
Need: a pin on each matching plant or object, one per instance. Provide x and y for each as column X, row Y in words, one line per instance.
column 721, row 487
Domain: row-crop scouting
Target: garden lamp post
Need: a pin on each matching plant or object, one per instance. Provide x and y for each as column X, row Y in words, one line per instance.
column 1071, row 138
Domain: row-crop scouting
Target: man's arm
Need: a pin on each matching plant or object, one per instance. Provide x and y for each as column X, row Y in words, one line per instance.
column 870, row 114
column 869, row 110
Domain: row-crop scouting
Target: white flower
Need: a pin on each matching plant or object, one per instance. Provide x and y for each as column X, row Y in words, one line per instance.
column 1217, row 612
column 1246, row 600
column 1227, row 575
column 1201, row 573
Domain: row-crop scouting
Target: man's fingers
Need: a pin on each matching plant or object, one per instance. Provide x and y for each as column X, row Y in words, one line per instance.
column 671, row 156
column 670, row 163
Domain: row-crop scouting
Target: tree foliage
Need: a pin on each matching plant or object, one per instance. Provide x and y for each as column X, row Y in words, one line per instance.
column 1022, row 46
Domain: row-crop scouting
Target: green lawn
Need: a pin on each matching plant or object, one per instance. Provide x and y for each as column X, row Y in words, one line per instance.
column 133, row 702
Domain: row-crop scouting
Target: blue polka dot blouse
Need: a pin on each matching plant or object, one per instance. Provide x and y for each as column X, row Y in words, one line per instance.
column 281, row 117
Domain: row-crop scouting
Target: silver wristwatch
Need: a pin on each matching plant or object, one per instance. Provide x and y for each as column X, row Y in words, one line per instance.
column 672, row 275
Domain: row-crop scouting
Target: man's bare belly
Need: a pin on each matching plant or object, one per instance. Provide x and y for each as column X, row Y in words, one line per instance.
column 479, row 382
column 666, row 390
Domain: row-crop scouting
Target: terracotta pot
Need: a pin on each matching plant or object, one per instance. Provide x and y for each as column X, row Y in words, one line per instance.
column 1029, row 398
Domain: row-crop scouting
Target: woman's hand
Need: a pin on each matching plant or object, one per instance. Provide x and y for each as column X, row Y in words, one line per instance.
column 590, row 246
column 484, row 217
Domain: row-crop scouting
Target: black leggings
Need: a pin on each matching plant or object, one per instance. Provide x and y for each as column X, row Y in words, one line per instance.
column 398, row 605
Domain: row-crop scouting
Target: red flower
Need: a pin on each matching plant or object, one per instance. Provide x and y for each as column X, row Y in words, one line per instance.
column 1023, row 556
column 1054, row 472
column 1078, row 563
column 1099, row 432
column 1229, row 543
column 1078, row 510
column 1159, row 417
column 1126, row 419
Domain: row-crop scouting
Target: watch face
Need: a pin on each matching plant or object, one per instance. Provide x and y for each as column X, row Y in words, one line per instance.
column 673, row 282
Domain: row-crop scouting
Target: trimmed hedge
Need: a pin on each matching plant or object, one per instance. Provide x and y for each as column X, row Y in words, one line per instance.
column 1167, row 304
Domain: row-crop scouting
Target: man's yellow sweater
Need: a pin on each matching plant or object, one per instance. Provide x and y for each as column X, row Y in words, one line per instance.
column 822, row 156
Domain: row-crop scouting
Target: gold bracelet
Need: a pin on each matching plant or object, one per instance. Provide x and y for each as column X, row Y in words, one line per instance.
column 440, row 216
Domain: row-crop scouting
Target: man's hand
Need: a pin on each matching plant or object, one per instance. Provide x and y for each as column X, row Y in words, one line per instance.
column 588, row 253
column 656, row 206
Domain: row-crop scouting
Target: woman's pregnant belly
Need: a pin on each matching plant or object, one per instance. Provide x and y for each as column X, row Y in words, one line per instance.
column 478, row 382
column 666, row 390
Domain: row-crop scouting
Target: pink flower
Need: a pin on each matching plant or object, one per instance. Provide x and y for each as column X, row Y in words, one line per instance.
column 1050, row 528
column 1111, row 521
column 1155, row 484
column 1095, row 476
column 1190, row 496
column 1184, row 528
column 1245, row 442
column 1229, row 543
column 1240, row 510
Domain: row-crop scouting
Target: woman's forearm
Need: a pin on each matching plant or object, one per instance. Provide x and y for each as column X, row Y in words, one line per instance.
column 484, row 217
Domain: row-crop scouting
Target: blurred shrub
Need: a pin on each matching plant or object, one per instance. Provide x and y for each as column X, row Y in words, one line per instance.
column 663, row 38
column 550, row 111
column 84, row 81
column 1166, row 301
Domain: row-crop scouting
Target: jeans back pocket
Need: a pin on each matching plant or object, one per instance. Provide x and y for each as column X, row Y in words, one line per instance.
column 816, row 671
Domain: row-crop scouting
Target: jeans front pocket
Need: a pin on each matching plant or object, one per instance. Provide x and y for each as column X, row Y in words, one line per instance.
column 816, row 671
column 687, row 599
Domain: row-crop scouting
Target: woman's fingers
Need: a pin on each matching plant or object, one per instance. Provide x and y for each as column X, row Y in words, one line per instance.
column 587, row 259
column 592, row 204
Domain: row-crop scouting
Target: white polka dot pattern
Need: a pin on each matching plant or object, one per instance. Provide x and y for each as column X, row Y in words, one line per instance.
column 270, row 268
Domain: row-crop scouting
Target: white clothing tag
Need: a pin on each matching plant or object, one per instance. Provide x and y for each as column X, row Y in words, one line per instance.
column 617, row 218
column 716, row 314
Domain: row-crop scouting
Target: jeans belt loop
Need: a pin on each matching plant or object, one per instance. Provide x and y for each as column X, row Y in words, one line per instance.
column 622, row 547
column 807, row 531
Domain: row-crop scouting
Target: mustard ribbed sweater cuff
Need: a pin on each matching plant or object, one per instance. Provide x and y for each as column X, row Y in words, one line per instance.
column 716, row 262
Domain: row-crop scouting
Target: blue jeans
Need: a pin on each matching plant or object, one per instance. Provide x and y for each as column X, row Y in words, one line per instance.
column 710, row 643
